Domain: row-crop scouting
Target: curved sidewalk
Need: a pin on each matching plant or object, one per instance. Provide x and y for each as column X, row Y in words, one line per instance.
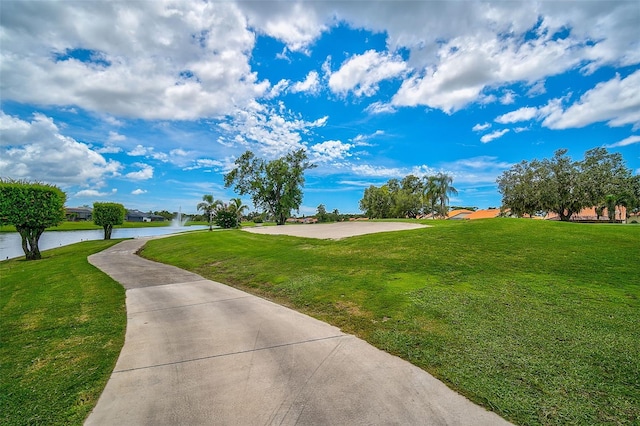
column 198, row 352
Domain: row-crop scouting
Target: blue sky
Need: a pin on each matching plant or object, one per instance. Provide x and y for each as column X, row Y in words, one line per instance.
column 149, row 103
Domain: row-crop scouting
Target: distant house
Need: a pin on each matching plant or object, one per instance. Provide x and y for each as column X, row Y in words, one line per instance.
column 302, row 220
column 459, row 214
column 484, row 214
column 76, row 214
column 138, row 216
column 589, row 214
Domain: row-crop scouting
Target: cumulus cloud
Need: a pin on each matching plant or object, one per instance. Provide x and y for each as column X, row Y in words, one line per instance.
column 521, row 114
column 481, row 127
column 269, row 130
column 181, row 60
column 37, row 150
column 330, row 151
column 361, row 74
column 616, row 101
column 295, row 24
column 116, row 137
column 138, row 191
column 493, row 135
column 311, row 84
column 149, row 152
column 145, row 172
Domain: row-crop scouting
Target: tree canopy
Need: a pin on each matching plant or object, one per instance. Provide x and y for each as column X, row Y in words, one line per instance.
column 107, row 215
column 275, row 186
column 409, row 197
column 565, row 187
column 31, row 208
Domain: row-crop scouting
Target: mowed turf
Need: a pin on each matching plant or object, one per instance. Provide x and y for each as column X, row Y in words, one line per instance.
column 62, row 325
column 537, row 321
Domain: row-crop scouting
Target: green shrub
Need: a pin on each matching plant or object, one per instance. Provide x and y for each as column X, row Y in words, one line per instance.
column 226, row 219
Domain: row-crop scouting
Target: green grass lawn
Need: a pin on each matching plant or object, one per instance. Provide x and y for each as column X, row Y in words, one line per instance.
column 537, row 321
column 62, row 325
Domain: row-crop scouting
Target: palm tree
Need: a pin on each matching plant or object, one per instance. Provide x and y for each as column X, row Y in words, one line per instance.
column 236, row 206
column 430, row 193
column 209, row 206
column 444, row 182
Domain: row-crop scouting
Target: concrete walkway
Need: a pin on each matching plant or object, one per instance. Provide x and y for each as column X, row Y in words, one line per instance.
column 198, row 352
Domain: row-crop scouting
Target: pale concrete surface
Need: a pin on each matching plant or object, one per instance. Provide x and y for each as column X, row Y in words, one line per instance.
column 334, row 231
column 198, row 352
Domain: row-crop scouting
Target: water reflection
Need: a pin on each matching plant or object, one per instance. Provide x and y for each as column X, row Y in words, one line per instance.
column 11, row 245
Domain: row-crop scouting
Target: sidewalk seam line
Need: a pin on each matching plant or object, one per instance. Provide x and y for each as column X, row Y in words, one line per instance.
column 229, row 354
column 188, row 305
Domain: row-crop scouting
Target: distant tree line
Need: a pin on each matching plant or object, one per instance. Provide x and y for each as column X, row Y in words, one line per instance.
column 564, row 186
column 409, row 197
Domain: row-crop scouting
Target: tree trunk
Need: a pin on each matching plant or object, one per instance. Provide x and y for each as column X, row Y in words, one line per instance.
column 107, row 231
column 30, row 238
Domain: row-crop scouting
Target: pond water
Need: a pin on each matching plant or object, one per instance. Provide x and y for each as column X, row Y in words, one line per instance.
column 11, row 243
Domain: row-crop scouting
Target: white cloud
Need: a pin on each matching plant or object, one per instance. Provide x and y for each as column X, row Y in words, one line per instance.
column 138, row 151
column 91, row 193
column 480, row 127
column 536, row 89
column 508, row 98
column 380, row 108
column 330, row 151
column 145, row 172
column 493, row 135
column 180, row 61
column 278, row 89
column 361, row 74
column 616, row 101
column 178, row 152
column 521, row 114
column 116, row 137
column 270, row 131
column 481, row 170
column 202, row 163
column 625, row 142
column 149, row 152
column 295, row 24
column 109, row 149
column 311, row 84
column 138, row 191
column 377, row 171
column 36, row 150
column 391, row 172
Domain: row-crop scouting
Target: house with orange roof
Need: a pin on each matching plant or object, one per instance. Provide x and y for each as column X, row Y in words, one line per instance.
column 589, row 214
column 484, row 214
column 459, row 214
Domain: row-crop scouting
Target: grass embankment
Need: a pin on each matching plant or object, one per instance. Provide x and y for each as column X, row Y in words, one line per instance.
column 538, row 321
column 62, row 325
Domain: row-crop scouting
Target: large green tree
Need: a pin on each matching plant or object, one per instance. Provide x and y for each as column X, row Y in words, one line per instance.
column 564, row 186
column 408, row 197
column 31, row 208
column 376, row 202
column 276, row 186
column 107, row 215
